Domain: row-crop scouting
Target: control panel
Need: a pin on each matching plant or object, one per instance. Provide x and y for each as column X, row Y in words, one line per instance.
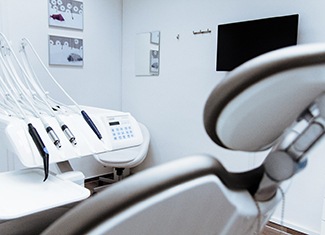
column 123, row 131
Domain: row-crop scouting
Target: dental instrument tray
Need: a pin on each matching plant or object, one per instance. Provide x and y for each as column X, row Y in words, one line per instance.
column 37, row 195
column 120, row 133
column 119, row 130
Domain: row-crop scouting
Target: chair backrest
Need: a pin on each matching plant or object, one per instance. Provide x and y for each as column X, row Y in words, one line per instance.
column 185, row 196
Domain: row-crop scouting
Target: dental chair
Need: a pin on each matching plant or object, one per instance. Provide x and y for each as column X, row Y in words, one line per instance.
column 275, row 102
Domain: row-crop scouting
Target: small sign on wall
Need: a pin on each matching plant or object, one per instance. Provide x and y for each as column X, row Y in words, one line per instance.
column 66, row 13
column 154, row 61
column 65, row 51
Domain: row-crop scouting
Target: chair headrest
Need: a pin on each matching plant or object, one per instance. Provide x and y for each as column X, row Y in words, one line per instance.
column 250, row 108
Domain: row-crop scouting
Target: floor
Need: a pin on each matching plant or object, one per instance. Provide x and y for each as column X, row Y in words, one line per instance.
column 275, row 229
column 99, row 183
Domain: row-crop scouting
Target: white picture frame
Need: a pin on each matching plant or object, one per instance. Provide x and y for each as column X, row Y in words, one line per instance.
column 65, row 51
column 66, row 13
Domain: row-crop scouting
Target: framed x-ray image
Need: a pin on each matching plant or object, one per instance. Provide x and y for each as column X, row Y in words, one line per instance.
column 65, row 51
column 66, row 13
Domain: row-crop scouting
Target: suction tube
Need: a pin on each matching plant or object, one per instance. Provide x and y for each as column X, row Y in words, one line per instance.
column 12, row 86
column 83, row 113
column 31, row 129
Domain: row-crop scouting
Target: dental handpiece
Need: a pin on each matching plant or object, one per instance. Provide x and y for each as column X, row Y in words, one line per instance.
column 69, row 134
column 91, row 124
column 41, row 148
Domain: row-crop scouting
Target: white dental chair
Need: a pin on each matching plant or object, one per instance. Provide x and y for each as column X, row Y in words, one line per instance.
column 276, row 102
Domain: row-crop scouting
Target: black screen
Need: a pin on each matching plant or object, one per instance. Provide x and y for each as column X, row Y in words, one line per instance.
column 242, row 41
column 114, row 123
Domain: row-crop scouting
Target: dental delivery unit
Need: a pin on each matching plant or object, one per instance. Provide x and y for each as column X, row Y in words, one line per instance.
column 39, row 130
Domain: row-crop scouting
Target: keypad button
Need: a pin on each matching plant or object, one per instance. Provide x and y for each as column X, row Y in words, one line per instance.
column 122, row 132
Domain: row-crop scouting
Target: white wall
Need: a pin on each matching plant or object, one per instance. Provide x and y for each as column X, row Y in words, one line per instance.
column 98, row 82
column 171, row 105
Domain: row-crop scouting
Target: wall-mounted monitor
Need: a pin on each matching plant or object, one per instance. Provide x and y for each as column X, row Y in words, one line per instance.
column 239, row 42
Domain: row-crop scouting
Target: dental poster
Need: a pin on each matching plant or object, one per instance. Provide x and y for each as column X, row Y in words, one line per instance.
column 66, row 13
column 65, row 51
